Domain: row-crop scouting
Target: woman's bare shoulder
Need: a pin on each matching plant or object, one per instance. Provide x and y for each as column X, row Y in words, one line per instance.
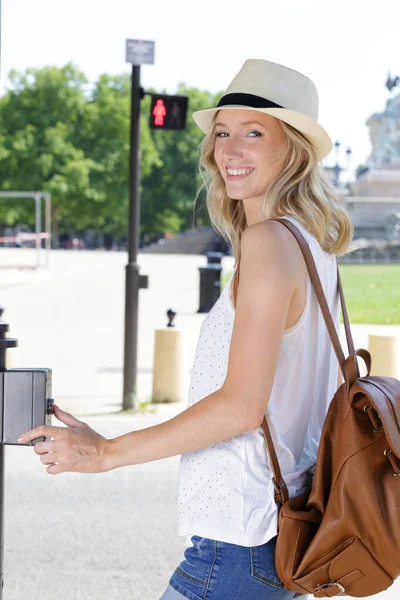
column 268, row 240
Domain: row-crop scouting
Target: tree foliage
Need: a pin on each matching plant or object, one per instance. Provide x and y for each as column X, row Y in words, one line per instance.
column 61, row 135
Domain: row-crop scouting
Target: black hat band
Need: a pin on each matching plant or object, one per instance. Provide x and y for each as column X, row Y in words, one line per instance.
column 247, row 100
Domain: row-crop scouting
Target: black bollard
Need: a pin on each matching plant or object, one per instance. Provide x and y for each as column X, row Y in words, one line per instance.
column 171, row 316
column 214, row 258
column 5, row 343
column 210, row 281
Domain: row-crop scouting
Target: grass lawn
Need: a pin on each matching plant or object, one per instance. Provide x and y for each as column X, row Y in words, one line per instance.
column 372, row 293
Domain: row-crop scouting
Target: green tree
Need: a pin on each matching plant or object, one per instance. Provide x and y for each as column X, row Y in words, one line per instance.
column 105, row 138
column 60, row 134
column 38, row 119
column 56, row 135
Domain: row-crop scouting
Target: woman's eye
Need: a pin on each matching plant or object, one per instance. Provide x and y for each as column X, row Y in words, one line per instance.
column 221, row 134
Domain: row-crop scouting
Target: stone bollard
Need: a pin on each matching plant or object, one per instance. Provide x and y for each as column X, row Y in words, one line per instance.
column 384, row 350
column 168, row 363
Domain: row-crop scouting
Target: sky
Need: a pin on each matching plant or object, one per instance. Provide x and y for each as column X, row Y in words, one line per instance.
column 347, row 47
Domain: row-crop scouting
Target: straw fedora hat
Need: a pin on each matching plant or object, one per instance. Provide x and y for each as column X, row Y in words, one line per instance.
column 270, row 88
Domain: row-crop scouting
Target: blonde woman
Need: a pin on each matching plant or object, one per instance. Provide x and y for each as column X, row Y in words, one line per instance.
column 263, row 349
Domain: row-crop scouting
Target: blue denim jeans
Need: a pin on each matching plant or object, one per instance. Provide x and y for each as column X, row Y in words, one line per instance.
column 215, row 570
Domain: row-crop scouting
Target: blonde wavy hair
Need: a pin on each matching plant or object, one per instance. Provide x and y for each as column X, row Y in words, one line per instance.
column 301, row 189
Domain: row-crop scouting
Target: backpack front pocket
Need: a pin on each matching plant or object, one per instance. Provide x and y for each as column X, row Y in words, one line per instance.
column 350, row 569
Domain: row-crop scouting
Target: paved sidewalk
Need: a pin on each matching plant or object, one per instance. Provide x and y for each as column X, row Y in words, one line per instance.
column 71, row 318
column 111, row 535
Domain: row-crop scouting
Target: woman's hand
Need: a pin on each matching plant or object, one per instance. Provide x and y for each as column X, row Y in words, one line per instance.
column 76, row 448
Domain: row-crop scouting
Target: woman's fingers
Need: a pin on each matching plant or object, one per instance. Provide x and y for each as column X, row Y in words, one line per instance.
column 54, row 469
column 43, row 447
column 51, row 431
column 67, row 418
column 47, row 431
column 49, row 458
column 76, row 447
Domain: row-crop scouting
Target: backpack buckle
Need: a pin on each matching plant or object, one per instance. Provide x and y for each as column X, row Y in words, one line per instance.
column 280, row 495
column 389, row 454
column 374, row 418
column 328, row 588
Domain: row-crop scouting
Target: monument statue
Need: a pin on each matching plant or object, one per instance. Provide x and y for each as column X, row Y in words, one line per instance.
column 374, row 199
column 392, row 83
column 385, row 131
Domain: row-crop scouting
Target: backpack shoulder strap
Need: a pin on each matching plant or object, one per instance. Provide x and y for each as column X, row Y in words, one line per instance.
column 316, row 282
column 281, row 491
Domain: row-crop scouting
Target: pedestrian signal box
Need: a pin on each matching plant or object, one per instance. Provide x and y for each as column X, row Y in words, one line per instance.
column 168, row 112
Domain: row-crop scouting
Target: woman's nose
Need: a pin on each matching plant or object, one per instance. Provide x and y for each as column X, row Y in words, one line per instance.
column 232, row 148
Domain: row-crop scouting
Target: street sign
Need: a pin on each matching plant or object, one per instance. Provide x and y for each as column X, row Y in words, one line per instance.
column 139, row 52
column 168, row 112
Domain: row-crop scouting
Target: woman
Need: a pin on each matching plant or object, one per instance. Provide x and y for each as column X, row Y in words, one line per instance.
column 263, row 344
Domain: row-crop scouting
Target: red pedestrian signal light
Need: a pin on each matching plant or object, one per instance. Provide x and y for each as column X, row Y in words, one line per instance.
column 168, row 112
column 159, row 112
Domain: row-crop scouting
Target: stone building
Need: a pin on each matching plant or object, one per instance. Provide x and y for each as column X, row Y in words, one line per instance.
column 374, row 198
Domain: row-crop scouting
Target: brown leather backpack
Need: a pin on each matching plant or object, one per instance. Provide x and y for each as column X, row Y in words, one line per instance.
column 343, row 537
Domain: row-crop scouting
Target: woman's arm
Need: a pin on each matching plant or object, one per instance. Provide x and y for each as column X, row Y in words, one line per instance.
column 271, row 266
column 79, row 448
column 215, row 418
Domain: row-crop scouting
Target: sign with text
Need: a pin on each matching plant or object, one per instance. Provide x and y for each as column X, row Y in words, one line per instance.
column 139, row 52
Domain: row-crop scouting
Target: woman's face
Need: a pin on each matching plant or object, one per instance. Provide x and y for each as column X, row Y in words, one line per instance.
column 249, row 147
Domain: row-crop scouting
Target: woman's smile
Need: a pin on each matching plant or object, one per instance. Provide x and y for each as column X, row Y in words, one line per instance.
column 236, row 173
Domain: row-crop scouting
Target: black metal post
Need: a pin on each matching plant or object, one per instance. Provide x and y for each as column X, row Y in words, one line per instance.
column 2, row 482
column 4, row 344
column 132, row 268
column 2, row 472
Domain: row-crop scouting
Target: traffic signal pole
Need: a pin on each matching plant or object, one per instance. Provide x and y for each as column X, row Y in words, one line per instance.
column 132, row 277
column 170, row 114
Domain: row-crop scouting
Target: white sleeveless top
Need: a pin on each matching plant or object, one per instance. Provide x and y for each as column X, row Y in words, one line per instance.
column 225, row 491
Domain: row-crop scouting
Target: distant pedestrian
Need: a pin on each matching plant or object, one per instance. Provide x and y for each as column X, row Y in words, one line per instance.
column 263, row 348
